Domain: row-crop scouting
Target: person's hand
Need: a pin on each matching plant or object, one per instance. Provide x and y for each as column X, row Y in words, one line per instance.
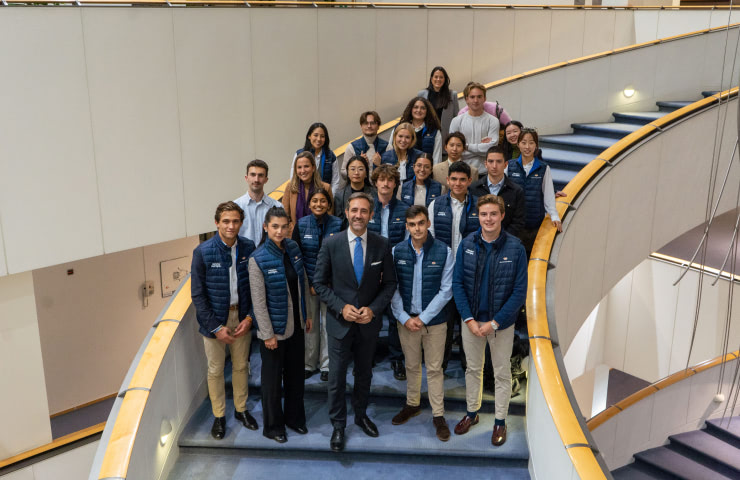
column 560, row 193
column 271, row 343
column 414, row 324
column 309, row 325
column 473, row 327
column 243, row 327
column 485, row 328
column 376, row 159
column 313, row 292
column 365, row 315
column 224, row 336
column 486, row 140
column 350, row 313
column 557, row 224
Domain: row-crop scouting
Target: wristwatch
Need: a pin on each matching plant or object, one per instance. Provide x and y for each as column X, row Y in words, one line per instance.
column 494, row 325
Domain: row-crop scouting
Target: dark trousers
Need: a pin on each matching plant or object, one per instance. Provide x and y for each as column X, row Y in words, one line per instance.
column 527, row 237
column 453, row 319
column 359, row 346
column 282, row 370
column 394, row 341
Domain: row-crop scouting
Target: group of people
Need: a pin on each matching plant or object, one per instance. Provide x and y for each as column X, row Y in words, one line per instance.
column 391, row 232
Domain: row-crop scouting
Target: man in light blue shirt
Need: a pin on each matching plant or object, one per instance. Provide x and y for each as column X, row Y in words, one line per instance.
column 255, row 203
column 424, row 268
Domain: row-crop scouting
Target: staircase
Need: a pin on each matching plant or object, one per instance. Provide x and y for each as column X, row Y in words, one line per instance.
column 406, row 451
column 709, row 454
column 567, row 154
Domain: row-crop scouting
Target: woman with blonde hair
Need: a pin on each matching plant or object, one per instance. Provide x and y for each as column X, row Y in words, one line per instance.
column 401, row 152
column 304, row 182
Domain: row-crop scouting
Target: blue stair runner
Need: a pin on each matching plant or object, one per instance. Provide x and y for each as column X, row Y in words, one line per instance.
column 568, row 153
column 404, row 451
column 709, row 454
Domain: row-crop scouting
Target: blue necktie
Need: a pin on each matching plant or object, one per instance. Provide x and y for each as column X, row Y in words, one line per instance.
column 358, row 262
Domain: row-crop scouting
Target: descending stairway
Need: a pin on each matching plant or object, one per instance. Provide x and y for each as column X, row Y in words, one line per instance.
column 405, row 451
column 709, row 454
column 568, row 153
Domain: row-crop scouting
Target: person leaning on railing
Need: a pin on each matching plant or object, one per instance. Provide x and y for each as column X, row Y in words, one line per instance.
column 223, row 305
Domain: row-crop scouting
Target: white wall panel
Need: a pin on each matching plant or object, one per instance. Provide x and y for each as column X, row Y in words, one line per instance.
column 685, row 308
column 71, row 465
column 285, row 62
column 646, row 25
column 624, row 28
column 24, row 415
column 604, row 437
column 3, row 264
column 668, row 69
column 214, row 86
column 629, row 214
column 46, row 147
column 586, row 91
column 542, row 101
column 599, row 31
column 510, row 97
column 616, row 332
column 531, row 40
column 131, row 72
column 493, row 42
column 346, row 39
column 676, row 22
column 566, row 35
column 454, row 52
column 670, row 407
column 637, row 69
column 717, row 71
column 563, row 271
column 723, row 17
column 633, row 430
column 22, row 474
column 400, row 67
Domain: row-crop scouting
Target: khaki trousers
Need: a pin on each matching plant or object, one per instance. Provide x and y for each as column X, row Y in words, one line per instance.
column 501, row 343
column 430, row 340
column 216, row 355
column 317, row 353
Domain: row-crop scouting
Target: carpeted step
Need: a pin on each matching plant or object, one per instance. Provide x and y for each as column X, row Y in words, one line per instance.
column 639, row 118
column 577, row 143
column 669, row 106
column 197, row 464
column 566, row 159
column 608, row 129
column 711, row 449
column 560, row 177
column 727, row 429
column 416, row 437
column 680, row 466
column 637, row 471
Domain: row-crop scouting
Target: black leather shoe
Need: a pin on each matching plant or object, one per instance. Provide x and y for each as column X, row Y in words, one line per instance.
column 399, row 370
column 324, row 376
column 218, row 430
column 367, row 426
column 337, row 439
column 308, row 374
column 300, row 429
column 246, row 419
column 280, row 437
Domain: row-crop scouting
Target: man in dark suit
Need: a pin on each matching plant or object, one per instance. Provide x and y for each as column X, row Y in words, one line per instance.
column 356, row 279
column 498, row 183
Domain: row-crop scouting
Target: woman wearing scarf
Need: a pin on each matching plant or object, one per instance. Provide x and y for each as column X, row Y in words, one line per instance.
column 305, row 180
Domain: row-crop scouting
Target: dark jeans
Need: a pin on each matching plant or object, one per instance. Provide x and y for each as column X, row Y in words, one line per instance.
column 282, row 369
column 394, row 341
column 453, row 318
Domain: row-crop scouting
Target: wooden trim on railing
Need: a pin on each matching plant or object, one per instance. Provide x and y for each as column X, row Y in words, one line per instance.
column 599, row 419
column 328, row 4
column 59, row 442
column 543, row 355
column 695, row 266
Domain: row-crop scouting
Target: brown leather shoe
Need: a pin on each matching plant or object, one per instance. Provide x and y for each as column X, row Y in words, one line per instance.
column 499, row 435
column 406, row 412
column 464, row 425
column 443, row 431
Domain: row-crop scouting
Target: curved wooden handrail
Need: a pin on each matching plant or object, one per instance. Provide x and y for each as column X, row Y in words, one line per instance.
column 596, row 421
column 542, row 352
column 57, row 443
column 309, row 4
column 118, row 452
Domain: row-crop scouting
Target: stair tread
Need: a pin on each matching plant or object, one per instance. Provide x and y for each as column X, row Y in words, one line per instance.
column 576, row 159
column 678, row 465
column 562, row 176
column 632, row 472
column 416, row 437
column 239, row 465
column 616, row 127
column 647, row 116
column 710, row 446
column 674, row 103
column 728, row 425
column 579, row 140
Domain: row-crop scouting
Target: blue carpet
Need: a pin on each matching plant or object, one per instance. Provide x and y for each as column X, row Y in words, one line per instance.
column 81, row 418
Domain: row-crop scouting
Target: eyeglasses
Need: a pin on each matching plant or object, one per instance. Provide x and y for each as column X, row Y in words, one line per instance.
column 356, row 169
column 370, row 123
column 529, row 130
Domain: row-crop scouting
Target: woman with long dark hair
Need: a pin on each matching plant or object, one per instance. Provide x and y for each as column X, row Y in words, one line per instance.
column 304, row 181
column 420, row 189
column 277, row 286
column 421, row 115
column 442, row 98
column 317, row 142
column 512, row 130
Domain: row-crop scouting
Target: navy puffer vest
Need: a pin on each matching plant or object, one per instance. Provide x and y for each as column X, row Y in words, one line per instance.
column 311, row 236
column 324, row 164
column 442, row 214
column 433, row 263
column 408, row 190
column 396, row 220
column 532, row 186
column 390, row 158
column 360, row 146
column 269, row 258
column 425, row 140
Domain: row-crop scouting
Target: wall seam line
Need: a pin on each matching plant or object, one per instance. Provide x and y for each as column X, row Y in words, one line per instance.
column 179, row 132
column 251, row 74
column 92, row 131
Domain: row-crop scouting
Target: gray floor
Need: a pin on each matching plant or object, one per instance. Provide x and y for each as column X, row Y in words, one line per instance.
column 81, row 418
